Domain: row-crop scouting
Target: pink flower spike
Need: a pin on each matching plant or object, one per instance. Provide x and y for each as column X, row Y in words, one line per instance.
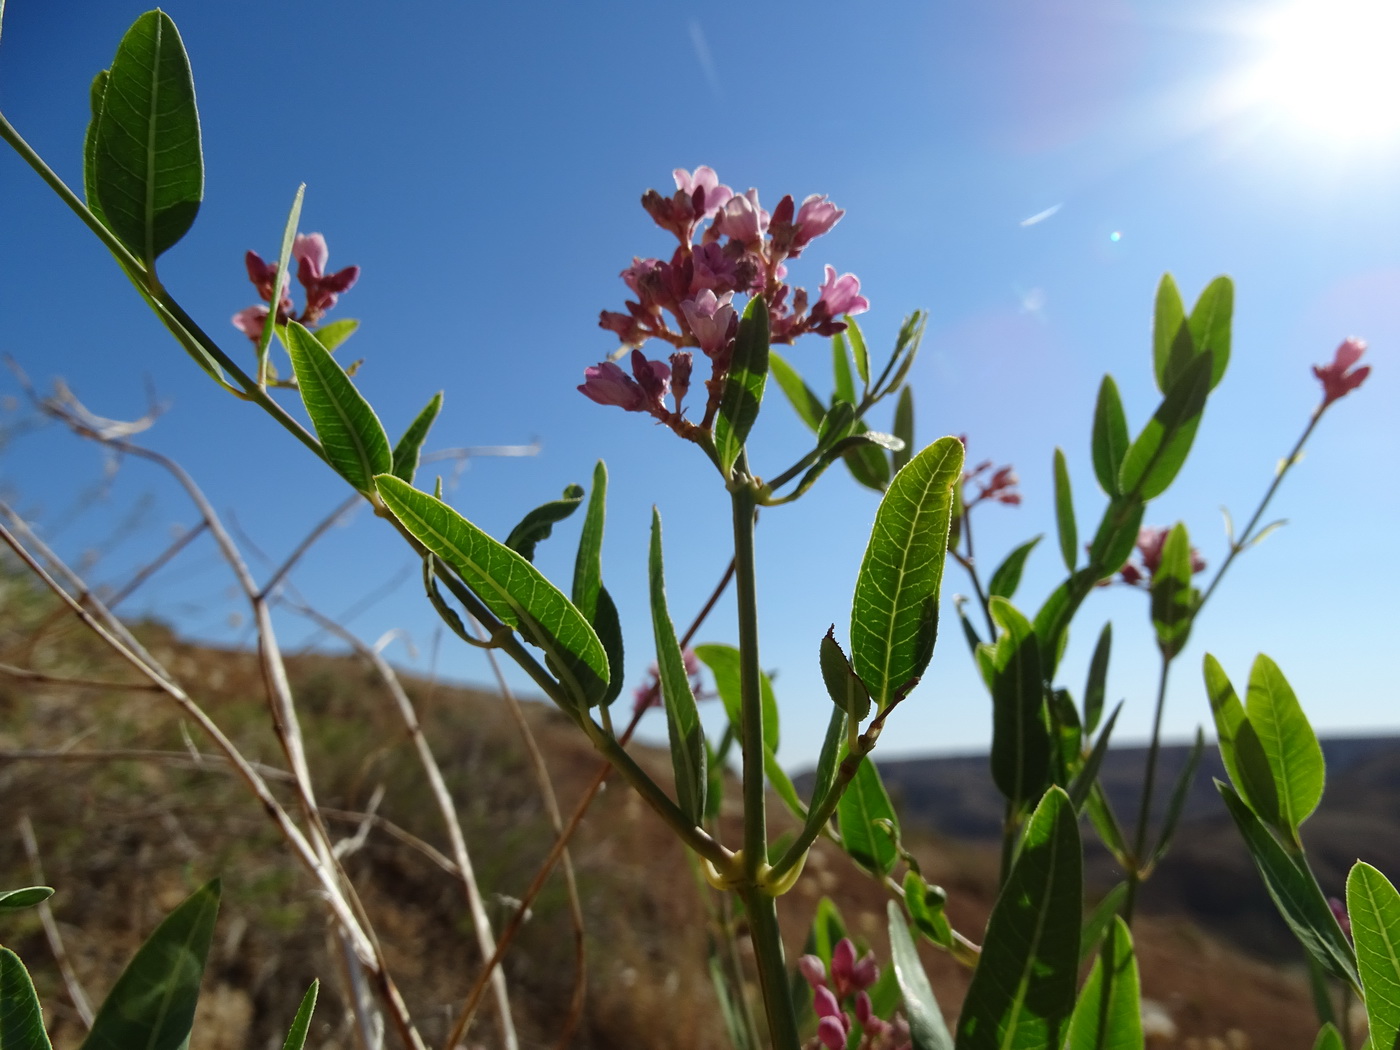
column 310, row 251
column 1336, row 381
column 831, row 1033
column 841, row 295
column 704, row 178
column 654, row 379
column 251, row 322
column 814, row 218
column 608, row 384
column 710, row 318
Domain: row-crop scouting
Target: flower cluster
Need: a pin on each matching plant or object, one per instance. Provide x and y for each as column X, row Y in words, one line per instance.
column 1150, row 542
column 322, row 289
column 847, row 982
column 649, row 695
column 1337, row 379
column 688, row 300
column 999, row 486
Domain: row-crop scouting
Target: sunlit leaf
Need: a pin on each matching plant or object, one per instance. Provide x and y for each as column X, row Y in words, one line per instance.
column 682, row 719
column 512, row 588
column 1117, row 535
column 894, row 614
column 844, row 387
column 927, row 1029
column 1210, row 324
column 1173, row 600
column 743, row 386
column 1168, row 323
column 1064, row 513
column 1179, row 795
column 865, row 802
column 808, row 406
column 538, row 525
column 1373, row 905
column 408, row 452
column 1295, row 757
column 903, row 428
column 844, row 687
column 1110, row 437
column 1108, row 1015
column 152, row 1004
column 1007, row 576
column 1099, row 920
column 925, row 905
column 1084, row 780
column 1240, row 747
column 21, row 1019
column 1020, row 739
column 148, row 169
column 1022, row 992
column 351, row 434
column 723, row 662
column 16, row 900
column 1096, row 685
column 859, row 353
column 1157, row 454
column 1328, row 1038
column 301, row 1024
column 830, row 757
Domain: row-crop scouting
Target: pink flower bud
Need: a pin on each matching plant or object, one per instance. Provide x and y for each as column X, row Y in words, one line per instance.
column 841, row 295
column 831, row 1033
column 1336, row 380
column 311, row 254
column 251, row 321
column 608, row 384
column 711, row 319
column 812, row 968
column 816, row 216
column 742, row 218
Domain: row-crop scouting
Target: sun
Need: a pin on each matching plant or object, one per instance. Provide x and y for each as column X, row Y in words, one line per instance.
column 1332, row 69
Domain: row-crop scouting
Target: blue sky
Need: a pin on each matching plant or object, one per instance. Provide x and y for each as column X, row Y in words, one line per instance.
column 483, row 164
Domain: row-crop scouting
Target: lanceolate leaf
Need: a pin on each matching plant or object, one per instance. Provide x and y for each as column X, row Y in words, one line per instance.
column 926, row 1027
column 1020, row 739
column 808, row 406
column 152, row 1004
column 1022, row 992
column 743, row 387
column 1116, row 536
column 588, row 563
column 1082, row 786
column 1064, row 513
column 682, row 719
column 1168, row 322
column 608, row 626
column 903, row 428
column 1155, row 457
column 1240, row 747
column 16, row 900
column 1328, row 1038
column 843, row 385
column 1295, row 758
column 865, row 802
column 1096, row 926
column 333, row 334
column 1110, row 438
column 1007, row 576
column 539, row 524
column 351, row 434
column 1295, row 892
column 21, row 1019
column 894, row 615
column 1108, row 1015
column 868, row 463
column 96, row 95
column 829, row 757
column 1096, row 685
column 148, row 170
column 301, row 1024
column 284, row 258
column 1210, row 325
column 1052, row 620
column 925, row 905
column 859, row 353
column 511, row 587
column 723, row 662
column 1173, row 600
column 408, row 451
column 1373, row 905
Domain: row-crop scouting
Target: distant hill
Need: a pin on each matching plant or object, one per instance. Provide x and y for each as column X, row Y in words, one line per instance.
column 1208, row 875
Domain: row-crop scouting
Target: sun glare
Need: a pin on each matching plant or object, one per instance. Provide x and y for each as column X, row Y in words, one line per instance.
column 1332, row 68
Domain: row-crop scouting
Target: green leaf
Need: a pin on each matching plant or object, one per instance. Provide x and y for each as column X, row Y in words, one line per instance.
column 1083, row 785
column 927, row 1029
column 843, row 385
column 1173, row 600
column 1178, row 798
column 1210, row 325
column 1064, row 513
column 858, row 351
column 1007, row 576
column 588, row 563
column 928, row 918
column 301, row 1024
column 743, row 386
column 608, row 626
column 1106, row 825
column 1294, row 891
column 538, row 525
column 1373, row 905
column 782, row 784
column 1295, row 757
column 1096, row 685
column 15, row 900
column 808, row 406
column 1110, row 437
column 863, row 803
column 148, row 170
column 1052, row 620
column 408, row 452
column 827, row 931
column 894, row 615
column 836, row 424
column 867, row 463
column 1022, row 992
column 1328, row 1038
column 682, row 718
column 284, row 258
column 830, row 757
column 96, row 96
column 334, row 334
column 1020, row 740
column 723, row 662
column 1099, row 920
column 1108, row 1015
column 351, row 434
column 1168, row 322
column 844, row 687
column 1240, row 747
column 512, row 588
column 1155, row 457
column 152, row 1004
column 903, row 429
column 1116, row 536
column 21, row 1019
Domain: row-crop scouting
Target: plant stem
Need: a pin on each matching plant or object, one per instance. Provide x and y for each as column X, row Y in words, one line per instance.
column 970, row 565
column 755, row 814
column 1135, row 874
column 772, row 968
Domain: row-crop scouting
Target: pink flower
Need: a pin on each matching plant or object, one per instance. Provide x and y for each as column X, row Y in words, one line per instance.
column 811, row 967
column 680, row 376
column 713, row 269
column 841, row 295
column 814, row 218
column 322, row 289
column 251, row 321
column 848, row 974
column 703, row 179
column 712, row 320
column 743, row 219
column 608, row 384
column 640, row 269
column 1150, row 542
column 831, row 1033
column 1336, row 380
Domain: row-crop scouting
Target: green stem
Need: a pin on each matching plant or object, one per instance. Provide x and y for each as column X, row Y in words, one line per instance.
column 767, row 941
column 751, row 703
column 970, row 564
column 1135, row 872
